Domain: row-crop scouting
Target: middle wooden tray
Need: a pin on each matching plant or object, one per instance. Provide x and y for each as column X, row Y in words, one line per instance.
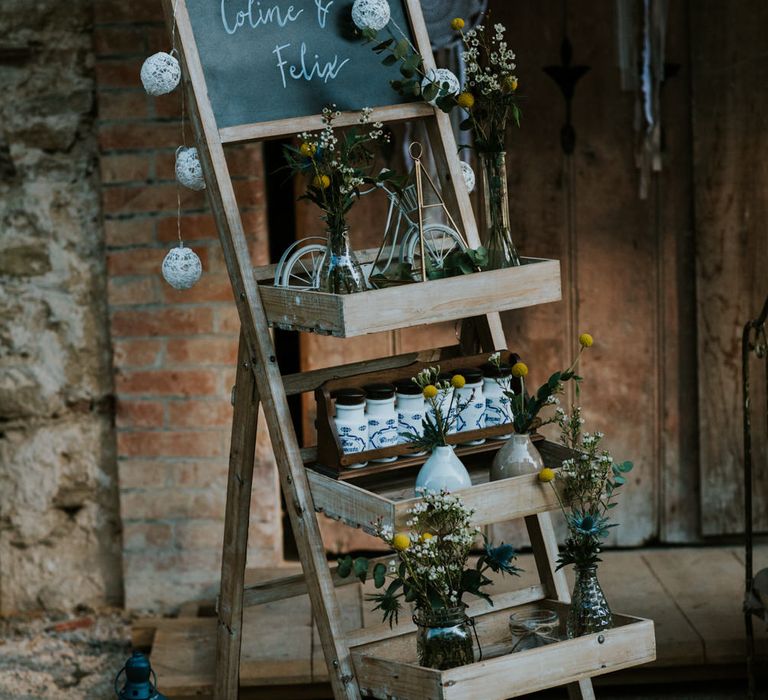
column 387, row 497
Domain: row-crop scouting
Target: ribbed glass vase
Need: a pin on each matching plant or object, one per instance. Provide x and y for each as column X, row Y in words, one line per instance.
column 589, row 610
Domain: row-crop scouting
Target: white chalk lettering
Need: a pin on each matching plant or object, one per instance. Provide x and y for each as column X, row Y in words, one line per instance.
column 322, row 12
column 257, row 16
column 327, row 72
column 281, row 63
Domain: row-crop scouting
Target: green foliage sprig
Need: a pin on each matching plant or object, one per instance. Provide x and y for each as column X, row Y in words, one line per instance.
column 526, row 407
column 489, row 96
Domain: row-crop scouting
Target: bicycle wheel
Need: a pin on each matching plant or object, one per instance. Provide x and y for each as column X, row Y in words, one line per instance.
column 439, row 242
column 300, row 264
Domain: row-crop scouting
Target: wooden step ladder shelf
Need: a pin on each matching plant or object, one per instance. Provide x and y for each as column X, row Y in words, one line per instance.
column 537, row 281
column 383, row 660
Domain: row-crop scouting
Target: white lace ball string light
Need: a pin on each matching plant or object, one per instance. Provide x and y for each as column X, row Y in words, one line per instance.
column 160, row 74
column 439, row 77
column 189, row 171
column 181, row 266
column 468, row 174
column 371, row 14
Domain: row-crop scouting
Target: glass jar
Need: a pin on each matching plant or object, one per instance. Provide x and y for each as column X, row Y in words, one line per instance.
column 382, row 418
column 589, row 611
column 409, row 402
column 340, row 271
column 498, row 407
column 498, row 235
column 444, row 638
column 472, row 416
column 351, row 423
column 533, row 628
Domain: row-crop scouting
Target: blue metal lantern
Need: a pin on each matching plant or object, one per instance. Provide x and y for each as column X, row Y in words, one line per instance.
column 137, row 680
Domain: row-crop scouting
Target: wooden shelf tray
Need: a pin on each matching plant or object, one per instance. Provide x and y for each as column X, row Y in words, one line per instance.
column 388, row 668
column 389, row 495
column 537, row 281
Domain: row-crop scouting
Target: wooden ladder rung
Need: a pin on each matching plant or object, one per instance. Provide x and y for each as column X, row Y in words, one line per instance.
column 292, row 586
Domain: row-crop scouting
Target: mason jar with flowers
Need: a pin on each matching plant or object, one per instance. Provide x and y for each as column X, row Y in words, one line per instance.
column 431, row 572
column 519, row 455
column 336, row 166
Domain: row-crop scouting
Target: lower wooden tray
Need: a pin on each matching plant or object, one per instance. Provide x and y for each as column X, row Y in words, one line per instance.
column 389, row 669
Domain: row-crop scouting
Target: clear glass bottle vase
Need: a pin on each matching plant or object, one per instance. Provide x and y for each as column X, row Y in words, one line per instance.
column 589, row 611
column 340, row 271
column 498, row 234
column 444, row 638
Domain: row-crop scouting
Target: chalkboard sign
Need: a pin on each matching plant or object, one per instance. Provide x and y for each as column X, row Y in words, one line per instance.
column 278, row 59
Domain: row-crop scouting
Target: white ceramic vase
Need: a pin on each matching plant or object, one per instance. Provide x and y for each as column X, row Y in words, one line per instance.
column 443, row 470
column 517, row 457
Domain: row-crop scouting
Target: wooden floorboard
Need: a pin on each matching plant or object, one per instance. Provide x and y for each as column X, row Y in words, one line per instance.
column 692, row 594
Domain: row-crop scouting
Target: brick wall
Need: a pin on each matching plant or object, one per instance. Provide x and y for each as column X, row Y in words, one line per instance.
column 174, row 351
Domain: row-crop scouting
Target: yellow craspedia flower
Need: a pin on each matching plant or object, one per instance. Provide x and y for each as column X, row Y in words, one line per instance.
column 401, row 541
column 430, row 391
column 425, row 537
column 321, row 181
column 457, row 381
column 307, row 149
column 546, row 475
column 510, row 83
column 519, row 369
column 586, row 340
column 457, row 24
column 466, row 100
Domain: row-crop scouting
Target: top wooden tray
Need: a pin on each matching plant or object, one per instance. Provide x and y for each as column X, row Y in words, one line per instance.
column 536, row 281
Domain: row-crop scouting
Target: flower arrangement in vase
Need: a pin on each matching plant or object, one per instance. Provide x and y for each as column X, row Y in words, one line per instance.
column 586, row 487
column 431, row 573
column 336, row 167
column 519, row 456
column 490, row 102
column 443, row 470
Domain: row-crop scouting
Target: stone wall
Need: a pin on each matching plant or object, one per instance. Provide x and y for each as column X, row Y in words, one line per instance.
column 59, row 529
column 174, row 351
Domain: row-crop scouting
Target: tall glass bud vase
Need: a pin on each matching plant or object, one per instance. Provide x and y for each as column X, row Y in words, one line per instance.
column 340, row 271
column 498, row 235
column 589, row 611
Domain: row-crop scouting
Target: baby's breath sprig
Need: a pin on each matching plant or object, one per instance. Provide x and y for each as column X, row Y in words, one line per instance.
column 586, row 487
column 337, row 166
column 431, row 567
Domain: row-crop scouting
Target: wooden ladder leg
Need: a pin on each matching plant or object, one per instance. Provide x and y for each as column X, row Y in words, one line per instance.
column 237, row 516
